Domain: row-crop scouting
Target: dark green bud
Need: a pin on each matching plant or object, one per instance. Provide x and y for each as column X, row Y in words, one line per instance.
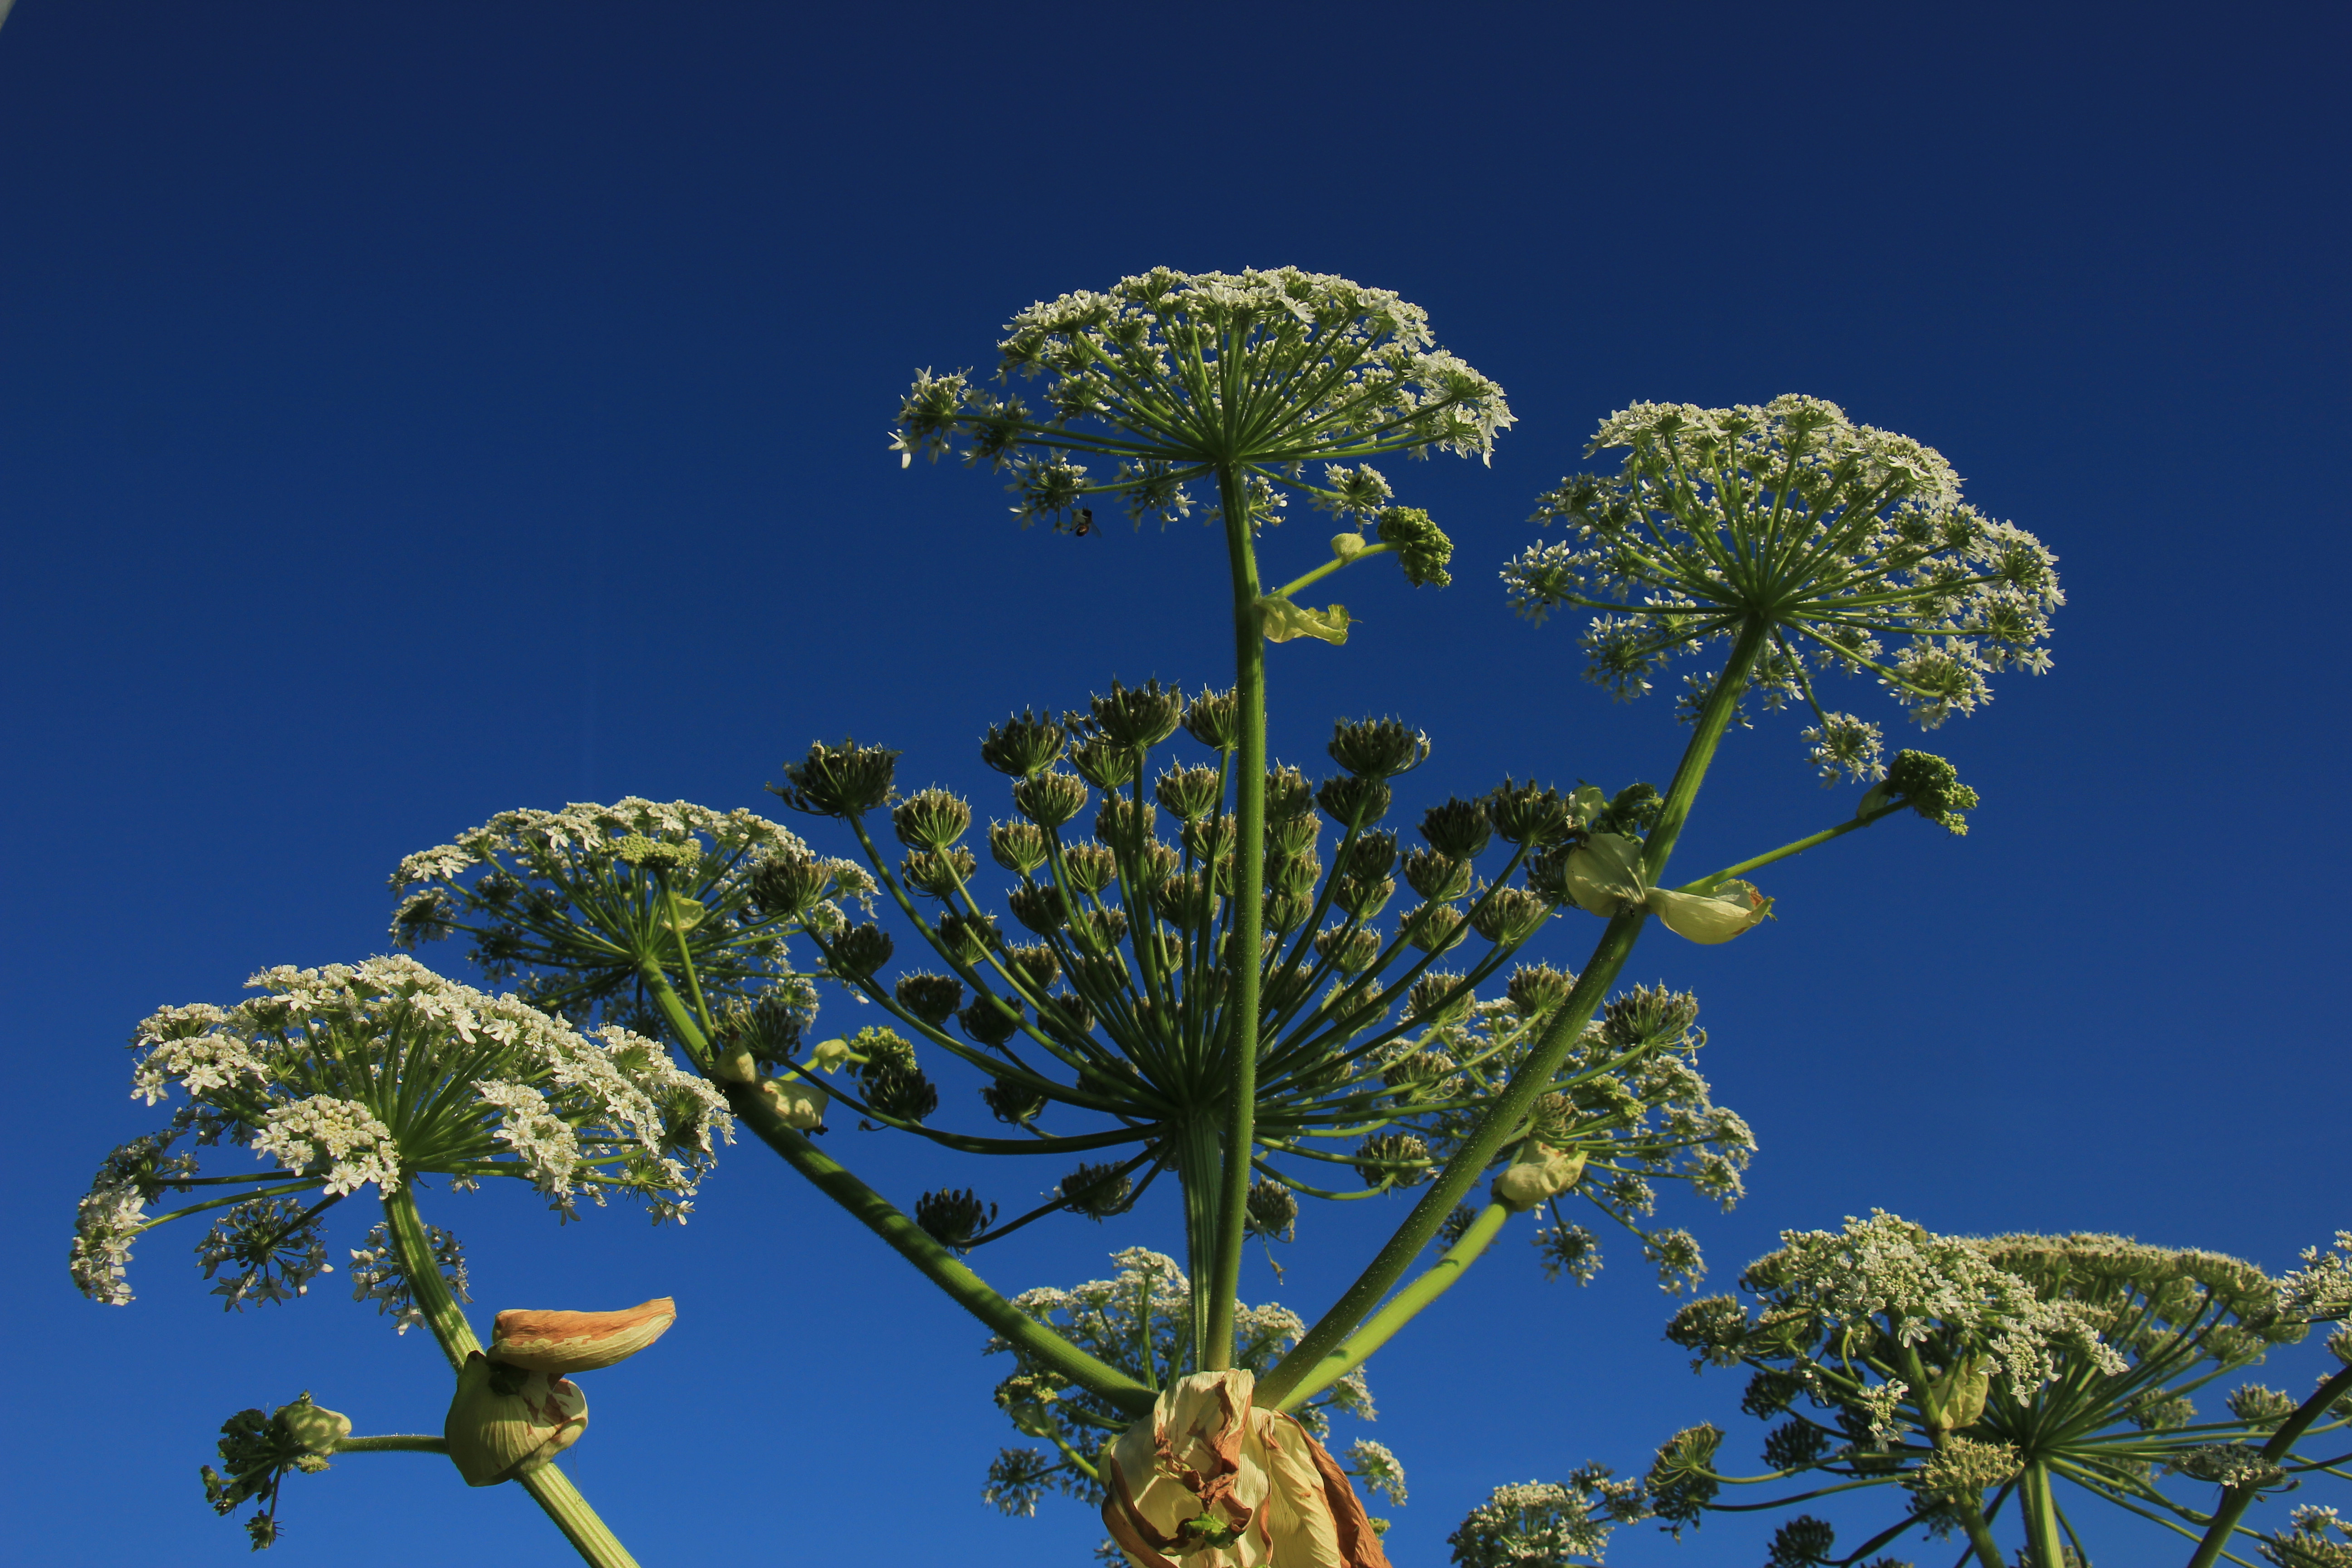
column 1011, row 1103
column 930, row 819
column 967, row 939
column 1433, row 1000
column 1803, row 1540
column 987, row 1022
column 785, row 886
column 1187, row 900
column 1071, row 1019
column 1435, row 877
column 1548, row 870
column 1050, row 799
column 1098, row 932
column 1189, row 793
column 1136, row 718
column 1378, row 748
column 1455, row 1225
column 954, row 1219
column 1350, row 952
column 1392, row 1159
column 860, row 951
column 1422, row 547
column 1036, row 967
column 1369, row 855
column 1458, row 830
column 1024, row 745
column 1105, row 763
column 1038, row 907
column 1932, row 787
column 901, row 1093
column 1288, row 794
column 1523, row 813
column 1433, row 928
column 1212, row 838
column 1097, row 1191
column 1353, row 802
column 1362, row 896
column 769, row 1028
column 1649, row 1015
column 848, row 780
column 1018, row 846
column 1419, row 1070
column 1552, row 1119
column 1509, row 916
column 1272, row 1211
column 1535, row 989
column 1294, row 874
column 1214, row 718
column 1090, row 867
column 1123, row 825
column 881, row 1048
column 1630, row 813
column 931, row 997
column 939, row 872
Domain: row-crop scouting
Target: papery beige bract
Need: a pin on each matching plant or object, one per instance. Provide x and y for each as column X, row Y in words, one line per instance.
column 564, row 1343
column 1711, row 917
column 506, row 1421
column 1209, row 1481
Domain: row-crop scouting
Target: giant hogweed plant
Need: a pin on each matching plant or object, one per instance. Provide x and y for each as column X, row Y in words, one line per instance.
column 1172, row 981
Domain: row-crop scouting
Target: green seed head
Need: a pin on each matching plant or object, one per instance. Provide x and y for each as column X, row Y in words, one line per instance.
column 1024, row 745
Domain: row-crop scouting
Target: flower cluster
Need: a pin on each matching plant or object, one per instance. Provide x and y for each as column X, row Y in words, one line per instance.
column 354, row 1074
column 1844, row 541
column 570, row 905
column 1547, row 1524
column 1139, row 1320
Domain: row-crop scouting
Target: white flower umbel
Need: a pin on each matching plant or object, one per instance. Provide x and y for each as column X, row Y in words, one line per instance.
column 1842, row 539
column 338, row 1138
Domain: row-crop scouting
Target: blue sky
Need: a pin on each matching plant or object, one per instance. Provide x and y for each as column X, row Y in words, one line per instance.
column 413, row 412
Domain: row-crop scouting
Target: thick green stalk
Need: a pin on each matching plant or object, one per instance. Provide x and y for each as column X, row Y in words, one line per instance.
column 1198, row 1169
column 1511, row 1107
column 1216, row 1351
column 394, row 1443
column 2041, row 1516
column 549, row 1487
column 1400, row 1309
column 2235, row 1500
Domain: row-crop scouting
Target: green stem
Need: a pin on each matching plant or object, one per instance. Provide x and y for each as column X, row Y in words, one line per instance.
column 1511, row 1107
column 942, row 1268
column 549, row 1487
column 2042, row 1517
column 1223, row 1284
column 1400, row 1309
column 1197, row 1169
column 2235, row 1500
column 1715, row 879
column 394, row 1443
column 1334, row 564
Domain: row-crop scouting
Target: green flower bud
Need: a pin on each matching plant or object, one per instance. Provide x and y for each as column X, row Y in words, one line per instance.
column 1511, row 916
column 1036, row 967
column 1422, row 547
column 1378, row 748
column 1353, row 802
column 1291, row 835
column 1272, row 1211
column 1539, row 1174
column 1090, row 867
column 1018, row 846
column 1137, row 718
column 1156, row 863
column 901, row 1093
column 1187, row 901
column 954, row 1219
column 1392, row 1159
column 941, row 873
column 639, row 850
column 1098, row 932
column 986, row 1021
column 1280, row 621
column 768, row 1029
column 1011, row 1103
column 1038, row 907
column 1435, row 877
column 1432, row 1002
column 1536, row 989
column 1433, row 928
column 1929, row 785
column 1522, row 814
column 1097, row 1191
column 1458, row 830
column 1105, row 763
column 1189, row 793
column 506, row 1421
column 1212, row 838
column 967, row 939
column 1050, row 799
column 848, row 780
column 1286, row 912
column 861, row 951
column 1024, row 745
column 930, row 819
column 1213, row 719
column 1350, row 952
column 1553, row 1119
column 1071, row 1019
column 1420, row 1070
column 1293, row 873
column 1632, row 811
column 1362, row 897
column 785, row 886
column 1125, row 824
column 1370, row 855
column 1648, row 1016
column 1288, row 794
